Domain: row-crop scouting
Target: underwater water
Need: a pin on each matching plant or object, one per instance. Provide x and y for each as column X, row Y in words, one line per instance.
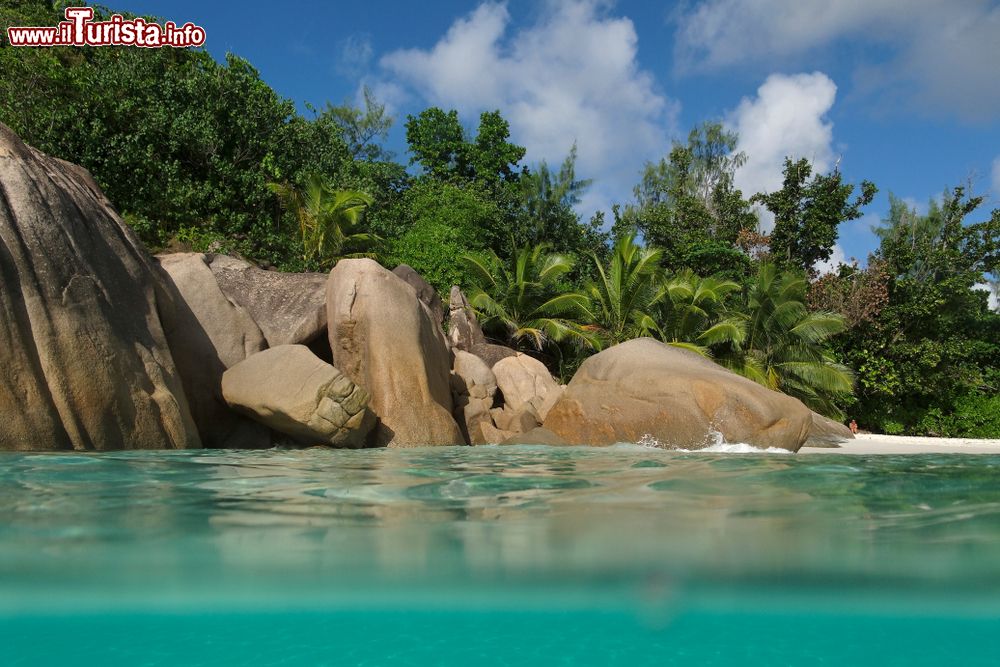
column 498, row 556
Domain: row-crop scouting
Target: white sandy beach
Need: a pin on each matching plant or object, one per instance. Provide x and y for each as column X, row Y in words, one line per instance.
column 867, row 443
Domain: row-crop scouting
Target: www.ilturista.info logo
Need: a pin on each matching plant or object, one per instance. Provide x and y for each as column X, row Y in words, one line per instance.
column 79, row 29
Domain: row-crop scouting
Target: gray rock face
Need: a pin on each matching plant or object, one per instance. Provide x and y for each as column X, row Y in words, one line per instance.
column 474, row 389
column 525, row 381
column 84, row 357
column 386, row 341
column 465, row 334
column 425, row 292
column 644, row 388
column 293, row 391
column 208, row 334
column 289, row 308
column 824, row 432
column 536, row 436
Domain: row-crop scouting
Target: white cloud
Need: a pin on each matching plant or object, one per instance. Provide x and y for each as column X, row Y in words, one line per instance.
column 572, row 76
column 355, row 55
column 787, row 118
column 837, row 257
column 942, row 53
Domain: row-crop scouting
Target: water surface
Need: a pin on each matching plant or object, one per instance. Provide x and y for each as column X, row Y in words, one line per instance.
column 489, row 555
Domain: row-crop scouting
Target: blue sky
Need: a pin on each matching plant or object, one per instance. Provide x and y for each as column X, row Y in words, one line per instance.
column 905, row 93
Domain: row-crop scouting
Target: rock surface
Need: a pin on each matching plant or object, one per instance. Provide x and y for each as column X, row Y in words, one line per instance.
column 385, row 340
column 84, row 356
column 464, row 332
column 425, row 292
column 524, row 380
column 645, row 388
column 474, row 389
column 207, row 334
column 536, row 436
column 289, row 308
column 824, row 432
column 291, row 390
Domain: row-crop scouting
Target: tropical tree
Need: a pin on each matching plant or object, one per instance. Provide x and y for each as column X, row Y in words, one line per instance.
column 807, row 214
column 776, row 341
column 329, row 220
column 687, row 204
column 692, row 308
column 623, row 299
column 929, row 355
column 524, row 302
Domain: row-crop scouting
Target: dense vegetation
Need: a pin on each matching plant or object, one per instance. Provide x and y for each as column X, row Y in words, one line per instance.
column 204, row 155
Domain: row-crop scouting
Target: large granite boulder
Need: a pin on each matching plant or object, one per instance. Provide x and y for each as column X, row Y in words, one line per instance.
column 474, row 389
column 824, row 432
column 208, row 334
column 644, row 388
column 289, row 308
column 84, row 357
column 386, row 341
column 536, row 436
column 464, row 332
column 525, row 381
column 425, row 292
column 293, row 391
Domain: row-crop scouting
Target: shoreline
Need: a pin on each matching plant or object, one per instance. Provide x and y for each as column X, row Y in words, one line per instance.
column 870, row 443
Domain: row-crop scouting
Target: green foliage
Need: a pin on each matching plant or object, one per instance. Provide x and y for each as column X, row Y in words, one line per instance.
column 329, row 220
column 692, row 314
column 688, row 206
column 773, row 338
column 361, row 128
column 177, row 140
column 625, row 295
column 935, row 343
column 442, row 222
column 807, row 214
column 438, row 144
column 523, row 302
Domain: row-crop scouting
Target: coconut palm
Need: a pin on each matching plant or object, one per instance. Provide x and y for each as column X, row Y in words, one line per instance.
column 329, row 220
column 522, row 303
column 623, row 300
column 776, row 341
column 693, row 306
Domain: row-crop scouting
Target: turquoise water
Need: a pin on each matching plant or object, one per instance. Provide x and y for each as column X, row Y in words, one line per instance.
column 498, row 556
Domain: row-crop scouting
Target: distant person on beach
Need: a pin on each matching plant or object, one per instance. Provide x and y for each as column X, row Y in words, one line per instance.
column 853, row 426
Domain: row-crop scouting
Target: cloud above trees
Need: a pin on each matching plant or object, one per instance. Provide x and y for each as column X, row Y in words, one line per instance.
column 571, row 76
column 787, row 117
column 938, row 54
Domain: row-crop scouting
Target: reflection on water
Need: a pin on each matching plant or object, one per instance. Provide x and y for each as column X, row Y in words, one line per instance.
column 319, row 524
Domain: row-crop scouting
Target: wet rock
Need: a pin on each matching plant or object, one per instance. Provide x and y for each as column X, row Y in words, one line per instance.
column 536, row 436
column 644, row 388
column 824, row 432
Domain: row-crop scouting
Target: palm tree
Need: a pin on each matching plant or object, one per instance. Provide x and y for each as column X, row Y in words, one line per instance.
column 329, row 220
column 522, row 303
column 692, row 308
column 777, row 342
column 623, row 300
